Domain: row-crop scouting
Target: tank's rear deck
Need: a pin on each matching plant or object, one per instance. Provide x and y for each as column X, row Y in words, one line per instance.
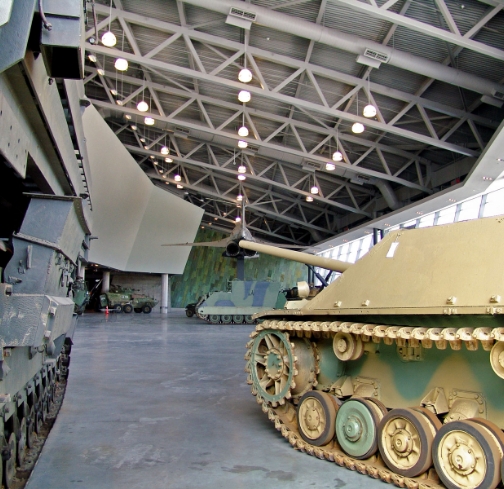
column 163, row 403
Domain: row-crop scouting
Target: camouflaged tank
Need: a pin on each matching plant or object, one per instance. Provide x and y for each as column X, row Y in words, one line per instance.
column 396, row 369
column 238, row 304
column 121, row 299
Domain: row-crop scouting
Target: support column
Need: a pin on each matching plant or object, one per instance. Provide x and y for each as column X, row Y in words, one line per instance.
column 165, row 293
column 105, row 286
column 81, row 270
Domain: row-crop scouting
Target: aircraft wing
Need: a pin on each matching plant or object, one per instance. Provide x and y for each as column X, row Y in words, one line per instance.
column 217, row 244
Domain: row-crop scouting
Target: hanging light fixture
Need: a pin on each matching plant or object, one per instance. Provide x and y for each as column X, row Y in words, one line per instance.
column 309, row 198
column 237, row 219
column 314, row 190
column 244, row 96
column 121, row 64
column 369, row 109
column 165, row 150
column 242, row 144
column 243, row 131
column 357, row 127
column 245, row 75
column 149, row 121
column 330, row 166
column 168, row 160
column 101, row 71
column 108, row 39
column 242, row 177
column 177, row 178
column 143, row 106
column 92, row 58
column 127, row 117
column 179, row 186
column 242, row 168
column 133, row 127
column 337, row 155
column 239, row 197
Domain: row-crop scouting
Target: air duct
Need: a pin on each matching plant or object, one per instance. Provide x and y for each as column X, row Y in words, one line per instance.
column 388, row 194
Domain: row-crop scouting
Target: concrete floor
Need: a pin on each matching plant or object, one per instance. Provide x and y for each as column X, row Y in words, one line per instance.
column 161, row 402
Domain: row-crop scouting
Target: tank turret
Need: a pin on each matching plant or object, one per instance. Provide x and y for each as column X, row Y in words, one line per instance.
column 396, row 368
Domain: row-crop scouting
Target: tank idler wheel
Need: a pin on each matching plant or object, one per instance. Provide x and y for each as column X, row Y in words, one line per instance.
column 9, row 465
column 128, row 308
column 30, row 428
column 226, row 318
column 248, row 319
column 189, row 313
column 238, row 318
column 21, row 442
column 281, row 367
column 117, row 308
column 347, row 346
column 316, row 415
column 497, row 358
column 214, row 318
column 356, row 427
column 405, row 442
column 138, row 310
column 466, row 455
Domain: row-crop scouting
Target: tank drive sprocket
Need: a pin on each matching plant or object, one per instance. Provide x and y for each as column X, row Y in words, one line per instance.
column 280, row 367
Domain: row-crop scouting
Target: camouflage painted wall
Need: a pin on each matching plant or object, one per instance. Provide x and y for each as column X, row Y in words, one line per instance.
column 207, row 270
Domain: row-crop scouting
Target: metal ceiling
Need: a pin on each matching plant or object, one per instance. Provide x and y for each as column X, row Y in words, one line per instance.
column 433, row 68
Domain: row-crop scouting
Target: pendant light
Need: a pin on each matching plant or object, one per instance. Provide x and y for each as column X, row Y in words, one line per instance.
column 357, row 127
column 108, row 39
column 244, row 96
column 243, row 131
column 369, row 110
column 242, row 144
column 337, row 155
column 121, row 64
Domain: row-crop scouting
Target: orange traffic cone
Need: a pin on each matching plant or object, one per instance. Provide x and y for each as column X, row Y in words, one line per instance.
column 106, row 311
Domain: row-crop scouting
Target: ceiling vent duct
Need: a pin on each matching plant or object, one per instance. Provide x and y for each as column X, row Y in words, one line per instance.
column 241, row 18
column 311, row 165
column 181, row 132
column 361, row 179
column 373, row 54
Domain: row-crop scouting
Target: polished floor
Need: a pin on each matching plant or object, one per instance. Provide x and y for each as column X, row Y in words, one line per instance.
column 161, row 402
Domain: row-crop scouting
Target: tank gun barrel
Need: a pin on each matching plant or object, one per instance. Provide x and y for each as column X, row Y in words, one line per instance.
column 306, row 258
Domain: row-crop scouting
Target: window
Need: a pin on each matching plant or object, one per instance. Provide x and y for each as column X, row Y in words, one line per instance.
column 469, row 209
column 494, row 204
column 427, row 221
column 446, row 216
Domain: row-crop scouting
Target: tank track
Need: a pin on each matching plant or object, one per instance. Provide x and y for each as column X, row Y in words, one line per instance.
column 282, row 412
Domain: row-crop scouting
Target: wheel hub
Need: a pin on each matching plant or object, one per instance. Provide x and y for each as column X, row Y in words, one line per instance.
column 352, row 428
column 401, row 443
column 312, row 418
column 342, row 345
column 501, row 359
column 462, row 459
column 275, row 367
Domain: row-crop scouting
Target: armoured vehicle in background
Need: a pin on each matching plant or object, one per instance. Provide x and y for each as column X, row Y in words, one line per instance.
column 121, row 299
column 243, row 299
column 396, row 369
column 45, row 208
column 81, row 295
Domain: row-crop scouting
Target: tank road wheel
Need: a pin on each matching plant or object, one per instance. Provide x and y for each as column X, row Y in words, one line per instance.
column 467, row 456
column 117, row 308
column 30, row 428
column 21, row 442
column 214, row 318
column 356, row 427
column 238, row 318
column 128, row 308
column 226, row 318
column 316, row 415
column 405, row 442
column 248, row 319
column 347, row 346
column 146, row 309
column 10, row 464
column 281, row 367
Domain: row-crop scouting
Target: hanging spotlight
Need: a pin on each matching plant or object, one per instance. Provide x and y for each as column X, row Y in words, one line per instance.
column 241, row 176
column 108, row 39
column 92, row 58
column 314, row 190
column 101, row 71
column 245, row 75
column 244, row 96
column 309, row 198
column 330, row 166
column 242, row 144
column 127, row 116
column 149, row 121
column 179, row 186
column 143, row 106
column 165, row 150
column 369, row 111
column 113, row 92
column 177, row 178
column 133, row 127
column 243, row 132
column 121, row 64
column 358, row 128
column 168, row 160
column 142, row 140
column 237, row 219
column 242, row 169
column 155, row 162
column 337, row 156
column 239, row 197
